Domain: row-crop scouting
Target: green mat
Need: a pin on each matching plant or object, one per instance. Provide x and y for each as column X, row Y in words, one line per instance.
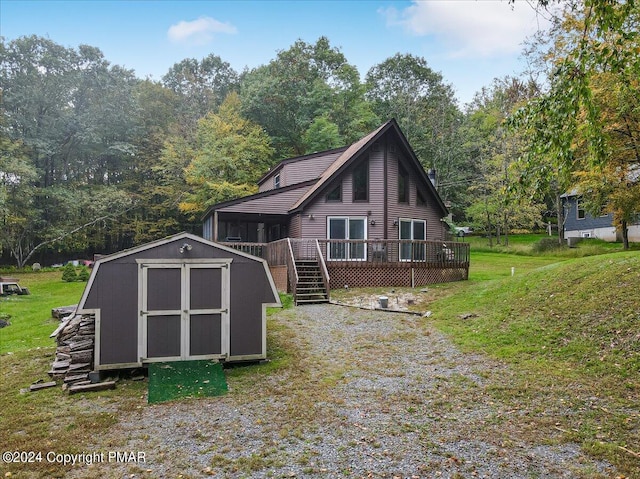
column 180, row 379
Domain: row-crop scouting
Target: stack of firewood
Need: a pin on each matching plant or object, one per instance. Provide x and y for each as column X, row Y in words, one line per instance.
column 74, row 355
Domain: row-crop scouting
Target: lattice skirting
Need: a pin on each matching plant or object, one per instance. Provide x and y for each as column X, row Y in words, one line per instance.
column 279, row 274
column 372, row 276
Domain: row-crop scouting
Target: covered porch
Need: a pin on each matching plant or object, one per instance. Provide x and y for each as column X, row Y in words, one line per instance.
column 358, row 263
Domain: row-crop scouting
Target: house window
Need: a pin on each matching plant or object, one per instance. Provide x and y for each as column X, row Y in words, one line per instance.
column 580, row 209
column 403, row 185
column 346, row 228
column 420, row 201
column 361, row 181
column 335, row 194
column 414, row 230
column 276, row 181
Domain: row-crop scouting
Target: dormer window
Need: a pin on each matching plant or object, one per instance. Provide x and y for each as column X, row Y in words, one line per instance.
column 276, row 181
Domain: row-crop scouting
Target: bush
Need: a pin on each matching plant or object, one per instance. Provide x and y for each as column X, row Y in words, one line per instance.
column 84, row 274
column 545, row 244
column 69, row 273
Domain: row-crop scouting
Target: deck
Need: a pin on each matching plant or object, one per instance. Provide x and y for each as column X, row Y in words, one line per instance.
column 364, row 263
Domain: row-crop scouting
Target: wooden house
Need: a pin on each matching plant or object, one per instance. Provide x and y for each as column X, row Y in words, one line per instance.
column 366, row 214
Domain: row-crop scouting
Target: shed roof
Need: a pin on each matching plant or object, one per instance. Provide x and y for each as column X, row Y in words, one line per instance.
column 169, row 239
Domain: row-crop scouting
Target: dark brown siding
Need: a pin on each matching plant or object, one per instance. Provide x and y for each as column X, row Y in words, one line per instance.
column 320, row 208
column 248, row 291
column 115, row 292
column 205, row 334
column 429, row 212
column 314, row 218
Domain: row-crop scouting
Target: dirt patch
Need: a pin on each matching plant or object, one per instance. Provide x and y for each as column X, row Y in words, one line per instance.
column 416, row 301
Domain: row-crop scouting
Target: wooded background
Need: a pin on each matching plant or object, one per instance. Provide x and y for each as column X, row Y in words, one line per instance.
column 93, row 159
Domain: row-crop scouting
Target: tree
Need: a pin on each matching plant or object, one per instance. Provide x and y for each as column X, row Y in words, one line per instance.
column 69, row 274
column 322, row 135
column 495, row 205
column 73, row 113
column 229, row 155
column 614, row 187
column 201, row 86
column 566, row 126
column 406, row 88
column 302, row 84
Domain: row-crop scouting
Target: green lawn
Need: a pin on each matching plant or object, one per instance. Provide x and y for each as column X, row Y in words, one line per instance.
column 569, row 332
column 30, row 316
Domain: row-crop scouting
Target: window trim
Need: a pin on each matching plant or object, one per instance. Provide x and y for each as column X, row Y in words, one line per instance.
column 276, row 181
column 347, row 252
column 411, row 221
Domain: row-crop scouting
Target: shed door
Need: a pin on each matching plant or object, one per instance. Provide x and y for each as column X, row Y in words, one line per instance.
column 184, row 311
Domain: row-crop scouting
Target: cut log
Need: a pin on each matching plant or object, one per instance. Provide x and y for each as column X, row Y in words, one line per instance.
column 73, row 378
column 37, row 387
column 76, row 366
column 62, row 325
column 92, row 387
column 81, row 356
column 81, row 345
column 60, row 365
column 62, row 311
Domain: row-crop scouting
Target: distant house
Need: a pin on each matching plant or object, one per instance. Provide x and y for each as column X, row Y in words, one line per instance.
column 581, row 224
column 368, row 213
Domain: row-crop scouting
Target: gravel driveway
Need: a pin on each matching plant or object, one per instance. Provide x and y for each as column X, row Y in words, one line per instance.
column 364, row 394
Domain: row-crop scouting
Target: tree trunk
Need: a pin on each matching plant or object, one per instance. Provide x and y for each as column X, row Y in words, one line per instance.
column 560, row 218
column 625, row 235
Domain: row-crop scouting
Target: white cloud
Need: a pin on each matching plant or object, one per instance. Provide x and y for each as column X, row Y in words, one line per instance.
column 198, row 32
column 469, row 28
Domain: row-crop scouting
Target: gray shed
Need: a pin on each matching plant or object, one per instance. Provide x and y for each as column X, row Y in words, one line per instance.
column 178, row 298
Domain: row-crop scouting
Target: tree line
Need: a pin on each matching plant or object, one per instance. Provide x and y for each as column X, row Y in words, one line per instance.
column 93, row 159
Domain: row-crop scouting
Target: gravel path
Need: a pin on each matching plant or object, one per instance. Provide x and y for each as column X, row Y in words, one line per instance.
column 366, row 394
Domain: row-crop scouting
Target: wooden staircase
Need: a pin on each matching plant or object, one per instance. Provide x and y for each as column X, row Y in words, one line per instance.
column 310, row 287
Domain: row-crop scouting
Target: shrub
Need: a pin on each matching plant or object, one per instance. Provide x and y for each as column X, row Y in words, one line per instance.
column 84, row 274
column 69, row 273
column 545, row 244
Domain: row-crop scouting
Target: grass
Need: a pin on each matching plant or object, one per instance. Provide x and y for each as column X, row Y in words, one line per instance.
column 528, row 245
column 568, row 330
column 30, row 316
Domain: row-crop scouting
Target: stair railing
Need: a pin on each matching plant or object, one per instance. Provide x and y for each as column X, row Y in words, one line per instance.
column 292, row 271
column 323, row 269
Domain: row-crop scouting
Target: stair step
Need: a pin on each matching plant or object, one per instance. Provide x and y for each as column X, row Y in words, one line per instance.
column 310, row 301
column 312, row 294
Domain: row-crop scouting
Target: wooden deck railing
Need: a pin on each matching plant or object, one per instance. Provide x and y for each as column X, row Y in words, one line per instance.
column 426, row 254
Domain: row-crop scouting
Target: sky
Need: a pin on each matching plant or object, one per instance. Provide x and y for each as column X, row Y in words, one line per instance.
column 469, row 42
